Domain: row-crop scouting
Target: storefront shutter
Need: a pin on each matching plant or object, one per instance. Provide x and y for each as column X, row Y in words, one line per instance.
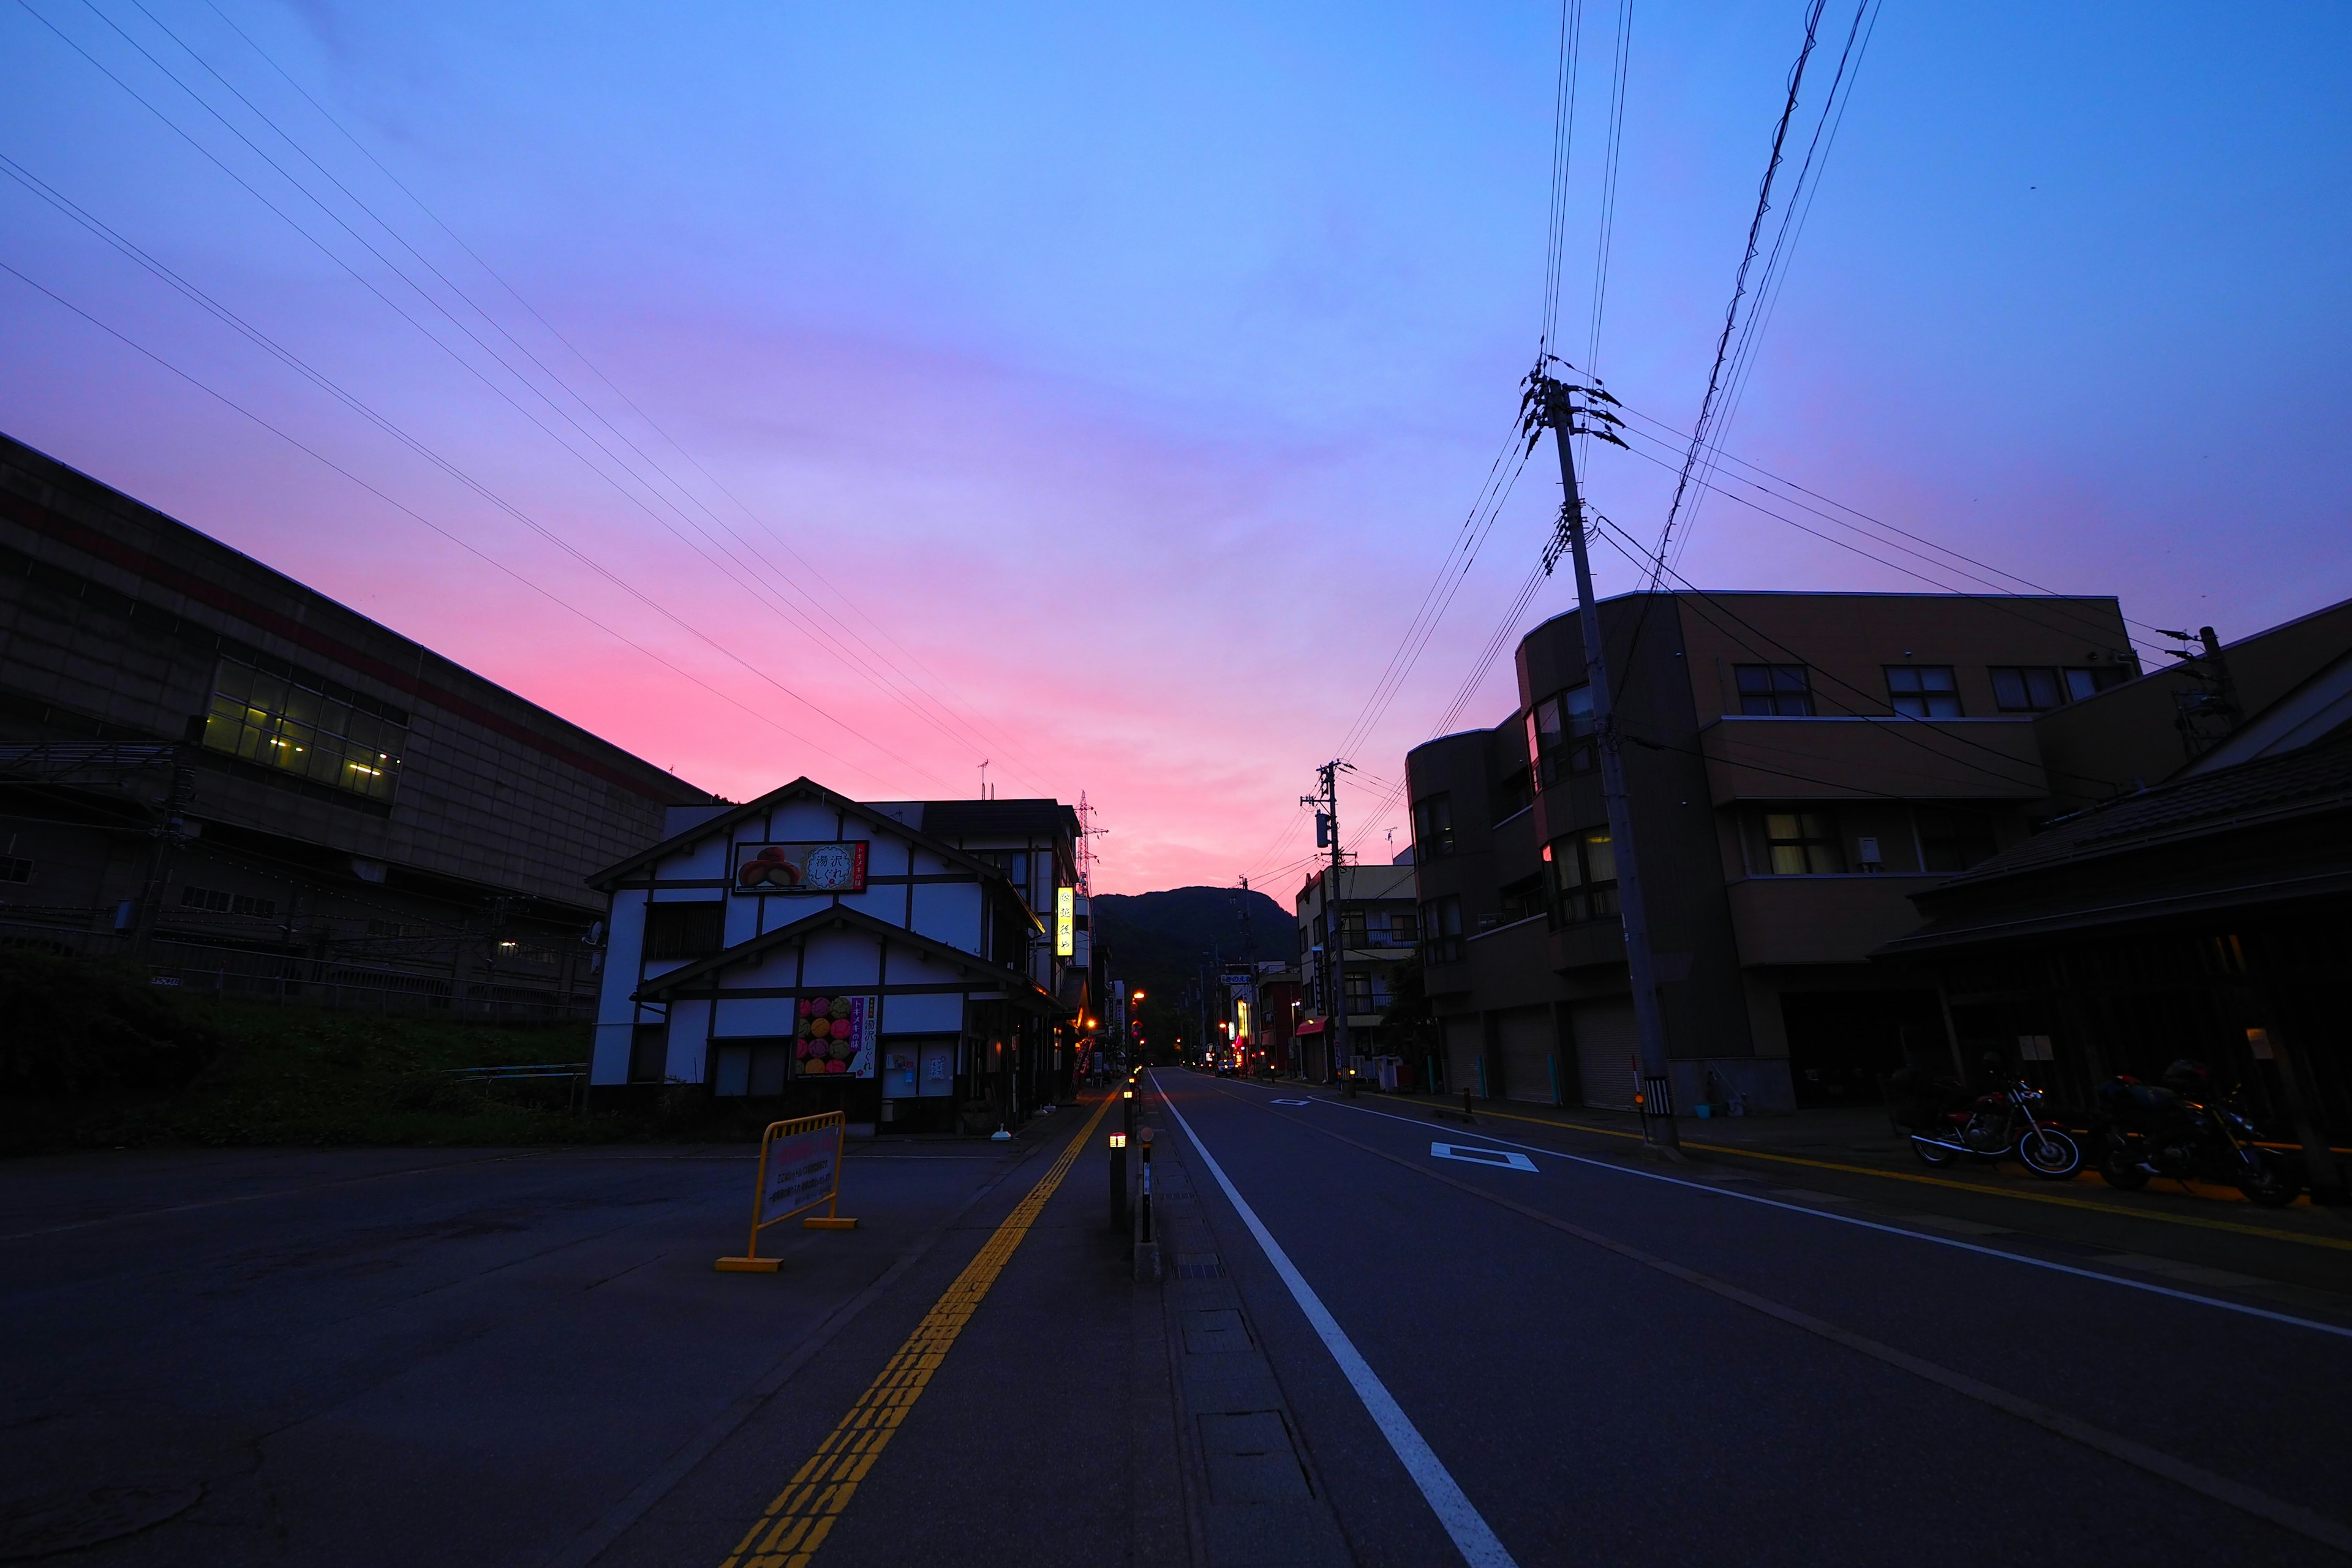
column 1465, row 1038
column 1606, row 1046
column 1527, row 1041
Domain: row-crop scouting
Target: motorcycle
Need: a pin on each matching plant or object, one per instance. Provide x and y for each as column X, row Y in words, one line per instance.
column 1946, row 1125
column 2150, row 1130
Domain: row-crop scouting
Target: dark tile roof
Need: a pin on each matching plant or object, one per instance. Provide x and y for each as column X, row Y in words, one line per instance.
column 2315, row 779
column 953, row 819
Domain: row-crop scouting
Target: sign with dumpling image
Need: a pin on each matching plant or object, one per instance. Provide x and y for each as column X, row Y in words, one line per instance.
column 801, row 868
column 835, row 1037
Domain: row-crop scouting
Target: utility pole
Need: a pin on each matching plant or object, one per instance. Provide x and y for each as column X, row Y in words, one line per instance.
column 1249, row 956
column 1552, row 405
column 1335, row 950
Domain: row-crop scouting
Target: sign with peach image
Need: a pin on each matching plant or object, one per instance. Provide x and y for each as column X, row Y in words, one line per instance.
column 800, row 868
column 835, row 1037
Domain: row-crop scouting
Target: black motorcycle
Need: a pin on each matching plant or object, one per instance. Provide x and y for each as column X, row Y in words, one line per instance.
column 2174, row 1130
column 1947, row 1123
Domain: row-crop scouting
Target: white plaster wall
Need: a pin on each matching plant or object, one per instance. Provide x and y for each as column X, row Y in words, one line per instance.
column 909, row 968
column 707, row 858
column 687, row 1023
column 842, row 959
column 949, row 913
column 886, row 857
column 608, row 1058
column 800, row 820
column 625, row 935
column 742, row 1016
column 887, row 904
column 938, row 1013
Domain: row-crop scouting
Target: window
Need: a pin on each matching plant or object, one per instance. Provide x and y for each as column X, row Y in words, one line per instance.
column 14, row 870
column 1768, row 690
column 1433, row 826
column 1522, row 901
column 1511, row 797
column 2025, row 689
column 1952, row 840
column 1559, row 736
column 685, row 930
column 2036, row 688
column 213, row 901
column 1801, row 843
column 1923, row 690
column 305, row 724
column 1441, row 930
column 1362, row 996
column 1401, row 929
column 1352, row 929
column 1583, row 877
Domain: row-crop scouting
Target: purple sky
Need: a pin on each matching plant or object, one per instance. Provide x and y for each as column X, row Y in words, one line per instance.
column 1097, row 394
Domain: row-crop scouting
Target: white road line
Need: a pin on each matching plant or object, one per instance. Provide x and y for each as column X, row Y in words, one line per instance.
column 1471, row 1535
column 1954, row 1243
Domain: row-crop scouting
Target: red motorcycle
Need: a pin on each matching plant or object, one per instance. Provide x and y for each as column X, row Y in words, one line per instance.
column 1945, row 1126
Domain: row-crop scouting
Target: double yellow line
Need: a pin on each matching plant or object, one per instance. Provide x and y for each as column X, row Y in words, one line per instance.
column 796, row 1523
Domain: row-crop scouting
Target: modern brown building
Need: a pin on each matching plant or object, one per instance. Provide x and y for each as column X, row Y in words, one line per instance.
column 1799, row 764
column 213, row 769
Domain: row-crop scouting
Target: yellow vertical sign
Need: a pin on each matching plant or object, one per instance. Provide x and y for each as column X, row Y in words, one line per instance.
column 1066, row 922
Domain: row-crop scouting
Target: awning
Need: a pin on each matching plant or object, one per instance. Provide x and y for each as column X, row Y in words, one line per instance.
column 1312, row 1027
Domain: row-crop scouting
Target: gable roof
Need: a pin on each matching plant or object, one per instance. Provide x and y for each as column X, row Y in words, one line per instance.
column 1017, row 986
column 801, row 788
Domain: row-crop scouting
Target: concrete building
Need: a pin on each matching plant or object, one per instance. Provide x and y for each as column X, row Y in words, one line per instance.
column 1798, row 765
column 1349, row 946
column 897, row 961
column 221, row 773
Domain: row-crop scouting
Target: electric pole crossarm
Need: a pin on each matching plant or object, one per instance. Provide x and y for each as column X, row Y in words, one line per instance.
column 1552, row 405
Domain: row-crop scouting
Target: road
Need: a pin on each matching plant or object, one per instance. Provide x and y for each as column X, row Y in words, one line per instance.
column 1531, row 1347
column 1620, row 1360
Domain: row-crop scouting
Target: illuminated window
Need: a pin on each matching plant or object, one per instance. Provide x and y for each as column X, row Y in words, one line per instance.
column 1802, row 844
column 305, row 724
column 1559, row 736
column 1584, row 877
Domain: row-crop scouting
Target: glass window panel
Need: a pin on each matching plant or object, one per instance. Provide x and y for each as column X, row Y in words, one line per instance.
column 1579, row 705
column 232, row 679
column 1600, row 858
column 1789, row 860
column 267, row 691
column 2079, row 684
column 2042, row 688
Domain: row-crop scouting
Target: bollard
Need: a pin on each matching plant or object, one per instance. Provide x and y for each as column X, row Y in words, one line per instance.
column 1352, row 1083
column 1119, row 1216
column 1147, row 1244
column 1127, row 1107
column 1465, row 1107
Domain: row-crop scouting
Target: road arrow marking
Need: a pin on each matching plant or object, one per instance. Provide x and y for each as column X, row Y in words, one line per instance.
column 1501, row 1159
column 1290, row 1102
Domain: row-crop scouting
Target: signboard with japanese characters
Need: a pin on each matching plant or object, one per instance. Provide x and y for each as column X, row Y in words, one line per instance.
column 766, row 868
column 836, row 1036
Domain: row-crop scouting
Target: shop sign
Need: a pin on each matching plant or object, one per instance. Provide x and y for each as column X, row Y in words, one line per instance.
column 801, row 868
column 835, row 1037
column 1066, row 922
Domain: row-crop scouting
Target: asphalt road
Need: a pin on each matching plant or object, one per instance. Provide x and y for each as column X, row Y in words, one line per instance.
column 1614, row 1359
column 1542, row 1350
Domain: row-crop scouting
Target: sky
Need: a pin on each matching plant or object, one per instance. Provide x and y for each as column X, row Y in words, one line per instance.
column 1097, row 392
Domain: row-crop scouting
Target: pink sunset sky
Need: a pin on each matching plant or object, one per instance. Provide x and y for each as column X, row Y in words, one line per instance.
column 1097, row 396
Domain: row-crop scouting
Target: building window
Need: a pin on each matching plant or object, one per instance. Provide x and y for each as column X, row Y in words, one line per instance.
column 1923, row 690
column 1352, row 929
column 2025, row 689
column 215, row 900
column 307, row 725
column 1952, row 840
column 1402, row 928
column 1512, row 795
column 1559, row 736
column 1441, row 930
column 685, row 930
column 14, row 869
column 1802, row 844
column 1522, row 901
column 1433, row 826
column 1583, row 877
column 2037, row 688
column 1774, row 690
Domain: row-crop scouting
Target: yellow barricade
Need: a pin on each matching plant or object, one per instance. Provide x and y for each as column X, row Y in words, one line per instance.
column 800, row 1167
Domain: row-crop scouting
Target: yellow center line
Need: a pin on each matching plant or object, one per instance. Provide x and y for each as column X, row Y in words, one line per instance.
column 1979, row 1187
column 796, row 1523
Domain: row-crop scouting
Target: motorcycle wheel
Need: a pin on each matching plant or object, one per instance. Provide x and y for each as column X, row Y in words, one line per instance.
column 1930, row 1154
column 2050, row 1155
column 2118, row 1169
column 2275, row 1188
